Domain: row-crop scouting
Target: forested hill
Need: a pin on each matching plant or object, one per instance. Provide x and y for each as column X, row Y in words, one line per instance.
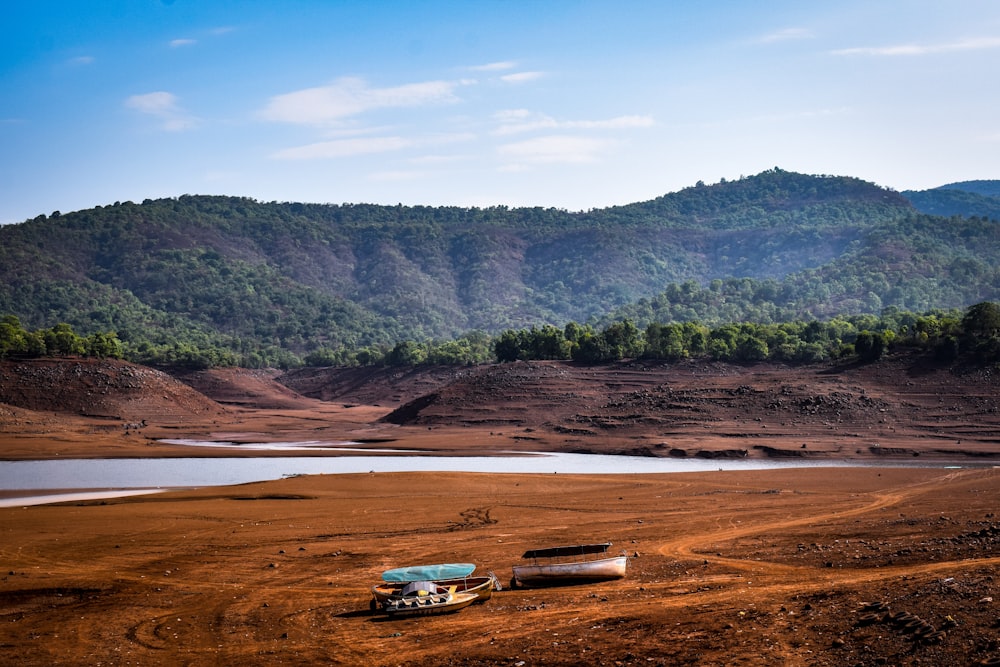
column 273, row 279
column 968, row 198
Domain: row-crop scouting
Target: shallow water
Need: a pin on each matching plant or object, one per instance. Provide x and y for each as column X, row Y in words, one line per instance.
column 128, row 475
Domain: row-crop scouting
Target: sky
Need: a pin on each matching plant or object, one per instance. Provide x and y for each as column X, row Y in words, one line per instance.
column 572, row 104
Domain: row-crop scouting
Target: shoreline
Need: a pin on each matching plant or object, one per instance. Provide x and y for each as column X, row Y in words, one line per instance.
column 600, row 464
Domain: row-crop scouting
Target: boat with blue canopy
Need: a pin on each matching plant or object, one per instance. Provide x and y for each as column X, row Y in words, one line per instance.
column 454, row 577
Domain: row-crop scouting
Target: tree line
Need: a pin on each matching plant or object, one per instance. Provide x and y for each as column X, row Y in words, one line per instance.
column 974, row 332
column 57, row 341
column 946, row 333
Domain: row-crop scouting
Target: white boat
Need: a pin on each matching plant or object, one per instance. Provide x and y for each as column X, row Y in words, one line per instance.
column 576, row 564
column 423, row 598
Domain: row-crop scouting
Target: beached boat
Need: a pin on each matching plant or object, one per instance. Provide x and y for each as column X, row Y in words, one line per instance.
column 456, row 577
column 581, row 563
column 481, row 586
column 424, row 598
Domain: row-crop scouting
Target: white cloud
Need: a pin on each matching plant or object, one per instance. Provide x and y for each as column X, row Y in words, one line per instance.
column 347, row 97
column 81, row 60
column 555, row 149
column 343, row 148
column 973, row 44
column 163, row 105
column 521, row 77
column 494, row 67
column 787, row 34
column 175, row 43
column 516, row 121
column 363, row 145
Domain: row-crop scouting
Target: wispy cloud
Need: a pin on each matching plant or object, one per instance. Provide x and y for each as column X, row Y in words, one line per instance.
column 786, row 34
column 81, row 60
column 971, row 44
column 363, row 145
column 176, row 43
column 516, row 121
column 553, row 149
column 347, row 97
column 521, row 77
column 164, row 106
column 494, row 67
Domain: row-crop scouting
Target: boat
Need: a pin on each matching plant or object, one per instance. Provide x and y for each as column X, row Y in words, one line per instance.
column 424, row 598
column 576, row 564
column 455, row 577
column 481, row 586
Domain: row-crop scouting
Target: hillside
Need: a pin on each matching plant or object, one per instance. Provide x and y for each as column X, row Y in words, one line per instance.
column 966, row 199
column 101, row 389
column 266, row 283
column 904, row 406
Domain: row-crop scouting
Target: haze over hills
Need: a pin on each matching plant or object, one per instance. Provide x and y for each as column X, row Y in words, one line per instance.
column 290, row 277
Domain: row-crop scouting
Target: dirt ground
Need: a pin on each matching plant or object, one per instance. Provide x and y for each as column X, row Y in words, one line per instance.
column 822, row 566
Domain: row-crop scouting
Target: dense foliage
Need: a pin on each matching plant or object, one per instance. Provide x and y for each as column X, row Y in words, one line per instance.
column 948, row 334
column 59, row 341
column 202, row 280
column 967, row 199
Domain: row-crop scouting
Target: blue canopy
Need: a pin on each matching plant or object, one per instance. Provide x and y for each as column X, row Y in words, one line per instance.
column 429, row 572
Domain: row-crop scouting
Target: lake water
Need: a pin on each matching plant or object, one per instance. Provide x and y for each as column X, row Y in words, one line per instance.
column 129, row 476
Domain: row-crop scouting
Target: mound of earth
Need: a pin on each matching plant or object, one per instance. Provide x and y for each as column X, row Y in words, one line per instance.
column 764, row 409
column 244, row 388
column 101, row 388
column 372, row 385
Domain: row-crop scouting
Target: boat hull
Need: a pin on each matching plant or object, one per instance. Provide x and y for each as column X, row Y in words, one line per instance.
column 428, row 605
column 481, row 587
column 556, row 574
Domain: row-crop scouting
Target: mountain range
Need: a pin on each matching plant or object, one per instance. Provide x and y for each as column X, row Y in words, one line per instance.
column 278, row 280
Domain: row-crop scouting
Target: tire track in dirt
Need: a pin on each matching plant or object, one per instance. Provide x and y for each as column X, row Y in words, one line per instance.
column 796, row 578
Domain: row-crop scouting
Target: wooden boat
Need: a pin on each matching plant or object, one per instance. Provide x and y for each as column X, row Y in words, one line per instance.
column 482, row 587
column 557, row 566
column 455, row 577
column 424, row 598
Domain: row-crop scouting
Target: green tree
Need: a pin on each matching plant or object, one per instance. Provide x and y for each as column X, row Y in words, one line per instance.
column 623, row 340
column 12, row 337
column 507, row 346
column 104, row 345
column 407, row 353
column 982, row 320
column 61, row 340
column 870, row 345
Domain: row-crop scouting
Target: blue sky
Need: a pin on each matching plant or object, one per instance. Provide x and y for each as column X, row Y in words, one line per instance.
column 562, row 103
